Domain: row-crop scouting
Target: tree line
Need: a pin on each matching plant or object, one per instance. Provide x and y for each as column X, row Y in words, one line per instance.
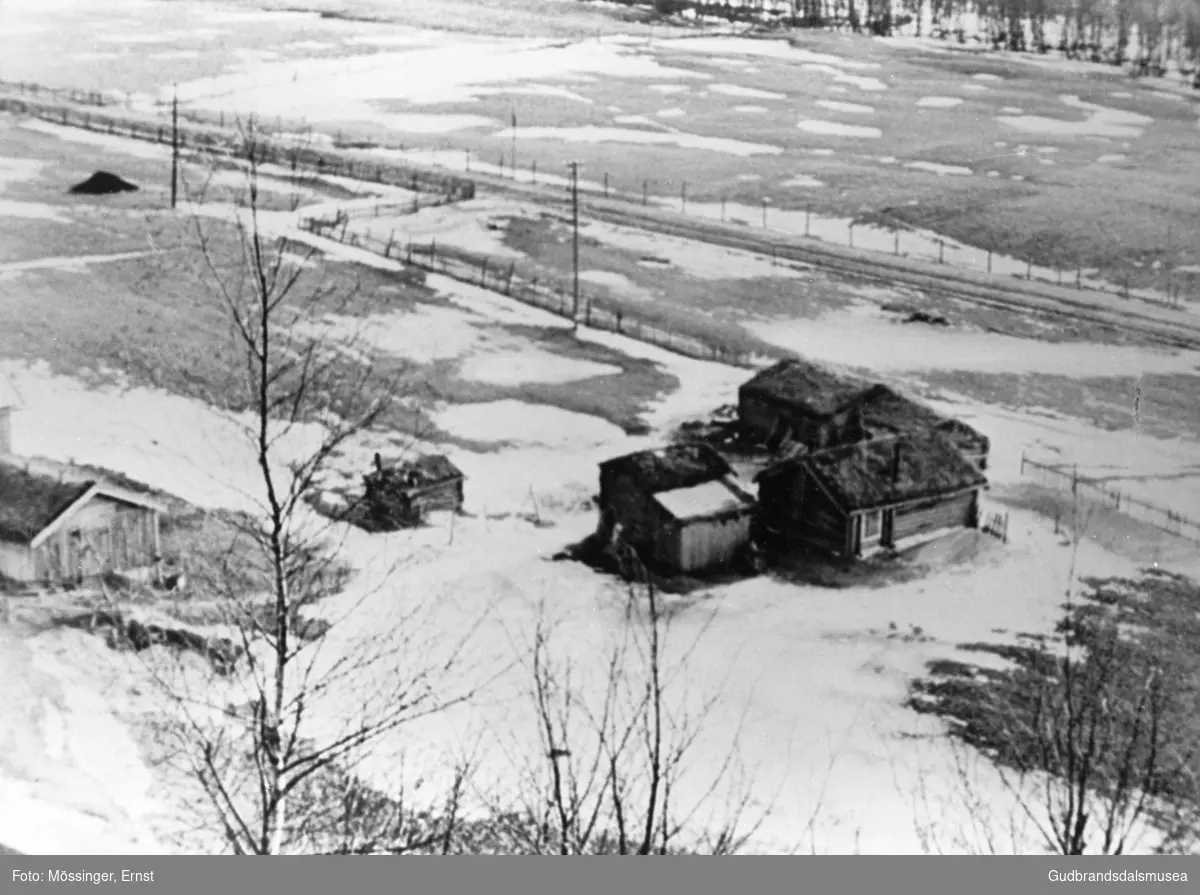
column 1149, row 34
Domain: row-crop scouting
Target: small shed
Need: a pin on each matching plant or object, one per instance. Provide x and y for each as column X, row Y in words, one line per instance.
column 680, row 506
column 799, row 401
column 885, row 411
column 61, row 530
column 885, row 493
column 400, row 494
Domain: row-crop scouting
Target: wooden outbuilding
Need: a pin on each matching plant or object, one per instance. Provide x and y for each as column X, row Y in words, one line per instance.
column 400, row 494
column 854, row 500
column 63, row 530
column 799, row 402
column 681, row 506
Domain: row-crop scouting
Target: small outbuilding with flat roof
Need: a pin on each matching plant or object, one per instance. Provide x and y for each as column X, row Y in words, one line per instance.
column 679, row 506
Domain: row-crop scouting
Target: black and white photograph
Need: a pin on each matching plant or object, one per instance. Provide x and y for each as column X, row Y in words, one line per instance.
column 599, row 427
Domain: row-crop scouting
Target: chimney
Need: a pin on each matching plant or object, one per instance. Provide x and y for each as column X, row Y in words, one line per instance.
column 897, row 452
column 6, row 430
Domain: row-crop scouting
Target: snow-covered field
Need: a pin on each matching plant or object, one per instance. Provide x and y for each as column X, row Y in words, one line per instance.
column 815, row 679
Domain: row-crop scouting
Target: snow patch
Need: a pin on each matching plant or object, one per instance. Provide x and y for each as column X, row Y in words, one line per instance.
column 937, row 168
column 618, row 283
column 1101, row 121
column 594, row 134
column 415, row 123
column 852, row 108
column 538, row 425
column 525, row 364
column 835, row 129
column 860, row 81
column 939, row 102
column 745, row 92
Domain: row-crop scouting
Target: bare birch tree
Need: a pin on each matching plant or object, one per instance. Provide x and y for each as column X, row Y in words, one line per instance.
column 616, row 740
column 297, row 706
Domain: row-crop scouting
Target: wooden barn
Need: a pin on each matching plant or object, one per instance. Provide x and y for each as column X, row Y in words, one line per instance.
column 853, row 500
column 59, row 530
column 799, row 402
column 401, row 494
column 681, row 506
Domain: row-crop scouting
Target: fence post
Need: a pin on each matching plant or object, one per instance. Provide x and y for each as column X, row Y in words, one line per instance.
column 433, row 253
column 1075, row 479
column 533, row 171
column 941, row 251
column 764, row 206
column 410, row 250
column 722, row 208
column 851, row 232
column 387, row 251
column 645, row 191
column 1079, row 278
column 1022, row 463
column 989, row 260
column 1029, row 268
column 483, row 274
column 512, row 269
column 896, row 242
column 807, row 215
column 605, row 184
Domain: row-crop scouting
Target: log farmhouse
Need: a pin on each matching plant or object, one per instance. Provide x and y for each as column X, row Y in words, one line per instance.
column 851, row 501
column 800, row 402
column 679, row 506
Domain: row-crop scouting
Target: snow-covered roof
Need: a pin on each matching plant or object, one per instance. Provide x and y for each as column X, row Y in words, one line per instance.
column 702, row 501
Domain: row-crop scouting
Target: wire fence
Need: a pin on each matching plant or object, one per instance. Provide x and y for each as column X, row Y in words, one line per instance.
column 880, row 235
column 501, row 275
column 436, row 178
column 100, row 114
column 1093, row 493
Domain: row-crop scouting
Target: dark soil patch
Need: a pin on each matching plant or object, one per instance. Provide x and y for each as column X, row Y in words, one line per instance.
column 1131, row 637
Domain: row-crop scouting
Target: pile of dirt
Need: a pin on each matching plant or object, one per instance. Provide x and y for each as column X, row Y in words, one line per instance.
column 103, row 183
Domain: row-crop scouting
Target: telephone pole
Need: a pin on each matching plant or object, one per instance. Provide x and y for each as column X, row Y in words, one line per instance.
column 514, row 144
column 174, row 142
column 574, row 166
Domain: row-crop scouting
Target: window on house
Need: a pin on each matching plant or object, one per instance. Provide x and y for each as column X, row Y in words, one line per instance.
column 871, row 526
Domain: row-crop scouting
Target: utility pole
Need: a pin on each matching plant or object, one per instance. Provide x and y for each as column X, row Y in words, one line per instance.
column 514, row 143
column 574, row 166
column 174, row 142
